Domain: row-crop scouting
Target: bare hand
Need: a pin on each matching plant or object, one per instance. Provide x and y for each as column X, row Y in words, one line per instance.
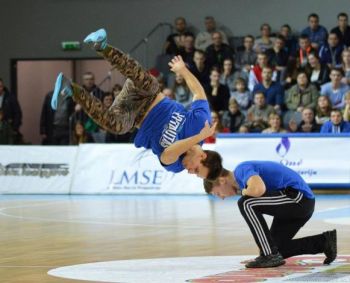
column 208, row 130
column 177, row 65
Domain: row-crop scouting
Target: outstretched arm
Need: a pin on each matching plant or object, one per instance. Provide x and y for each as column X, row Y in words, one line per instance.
column 172, row 153
column 177, row 65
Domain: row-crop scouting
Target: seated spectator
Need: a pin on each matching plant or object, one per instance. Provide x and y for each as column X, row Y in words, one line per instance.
column 79, row 135
column 233, row 118
column 204, row 38
column 247, row 57
column 301, row 95
column 346, row 66
column 229, row 74
column 187, row 51
column 275, row 125
column 346, row 112
column 273, row 91
column 217, row 52
column 317, row 72
column 343, row 29
column 305, row 48
column 291, row 42
column 315, row 32
column 308, row 123
column 335, row 89
column 258, row 114
column 278, row 57
column 265, row 41
column 169, row 93
column 175, row 41
column 117, row 88
column 330, row 52
column 215, row 118
column 323, row 109
column 241, row 94
column 336, row 125
column 6, row 133
column 218, row 94
column 255, row 74
column 181, row 91
column 244, row 129
column 90, row 86
column 199, row 69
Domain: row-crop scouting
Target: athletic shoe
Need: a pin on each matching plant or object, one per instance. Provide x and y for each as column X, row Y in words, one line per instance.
column 97, row 39
column 262, row 261
column 62, row 87
column 330, row 246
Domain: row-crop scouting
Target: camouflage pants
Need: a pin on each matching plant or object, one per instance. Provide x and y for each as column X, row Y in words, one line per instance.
column 130, row 106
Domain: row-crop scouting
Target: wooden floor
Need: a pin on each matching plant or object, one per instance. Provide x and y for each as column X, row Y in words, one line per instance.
column 39, row 233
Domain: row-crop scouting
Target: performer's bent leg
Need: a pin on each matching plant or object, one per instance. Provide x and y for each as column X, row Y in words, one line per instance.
column 131, row 69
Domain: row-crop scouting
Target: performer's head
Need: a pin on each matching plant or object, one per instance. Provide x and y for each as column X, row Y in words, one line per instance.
column 224, row 186
column 206, row 164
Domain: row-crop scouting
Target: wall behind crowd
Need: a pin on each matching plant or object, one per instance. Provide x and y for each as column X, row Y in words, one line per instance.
column 34, row 29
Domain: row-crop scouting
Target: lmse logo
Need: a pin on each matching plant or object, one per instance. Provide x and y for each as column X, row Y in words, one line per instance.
column 283, row 147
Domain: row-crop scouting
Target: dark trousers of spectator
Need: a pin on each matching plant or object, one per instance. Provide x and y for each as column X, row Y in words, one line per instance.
column 60, row 135
column 291, row 210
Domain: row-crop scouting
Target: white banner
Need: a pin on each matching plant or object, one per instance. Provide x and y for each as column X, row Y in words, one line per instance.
column 324, row 161
column 36, row 169
column 124, row 169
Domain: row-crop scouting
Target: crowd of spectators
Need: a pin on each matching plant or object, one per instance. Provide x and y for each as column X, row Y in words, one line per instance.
column 275, row 82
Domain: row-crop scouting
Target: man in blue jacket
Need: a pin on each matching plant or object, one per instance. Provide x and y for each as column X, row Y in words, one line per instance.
column 273, row 189
column 336, row 125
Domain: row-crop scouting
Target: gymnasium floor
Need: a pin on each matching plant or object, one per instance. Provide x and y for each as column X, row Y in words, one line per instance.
column 151, row 239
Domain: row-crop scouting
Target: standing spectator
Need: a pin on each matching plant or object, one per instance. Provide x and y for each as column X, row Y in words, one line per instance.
column 204, row 38
column 217, row 52
column 255, row 74
column 79, row 135
column 335, row 89
column 117, row 88
column 241, row 95
column 278, row 57
column 182, row 92
column 317, row 72
column 302, row 95
column 46, row 120
column 315, row 32
column 330, row 53
column 233, row 118
column 6, row 133
column 336, row 125
column 218, row 94
column 90, row 86
column 258, row 113
column 175, row 41
column 274, row 92
column 305, row 48
column 275, row 125
column 229, row 74
column 291, row 42
column 246, row 58
column 199, row 69
column 215, row 118
column 343, row 29
column 187, row 52
column 346, row 66
column 346, row 112
column 265, row 41
column 308, row 123
column 11, row 110
column 323, row 109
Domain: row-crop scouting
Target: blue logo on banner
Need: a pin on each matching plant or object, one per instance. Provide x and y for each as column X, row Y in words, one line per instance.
column 283, row 147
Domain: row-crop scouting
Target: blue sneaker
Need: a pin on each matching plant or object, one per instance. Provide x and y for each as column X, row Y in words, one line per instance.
column 97, row 39
column 62, row 87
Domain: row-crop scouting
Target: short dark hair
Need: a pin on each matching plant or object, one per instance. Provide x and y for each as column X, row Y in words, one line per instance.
column 280, row 37
column 336, row 69
column 304, row 36
column 342, row 14
column 286, row 26
column 209, row 18
column 313, row 15
column 249, row 36
column 336, row 110
column 214, row 163
column 265, row 25
column 209, row 184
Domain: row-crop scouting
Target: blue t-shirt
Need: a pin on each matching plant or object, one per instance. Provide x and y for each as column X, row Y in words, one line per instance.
column 169, row 122
column 275, row 176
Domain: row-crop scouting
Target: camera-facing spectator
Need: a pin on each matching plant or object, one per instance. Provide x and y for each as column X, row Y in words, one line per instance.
column 187, row 51
column 90, row 86
column 323, row 109
column 246, row 58
column 79, row 135
column 305, row 48
column 244, row 129
column 278, row 57
column 317, row 72
column 204, row 38
column 6, row 132
column 275, row 125
column 242, row 95
column 229, row 74
column 308, row 123
column 336, row 125
column 291, row 42
column 199, row 68
column 265, row 41
column 217, row 52
column 175, row 41
column 343, row 29
column 182, row 92
column 233, row 118
column 215, row 118
column 255, row 74
column 316, row 33
column 330, row 52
